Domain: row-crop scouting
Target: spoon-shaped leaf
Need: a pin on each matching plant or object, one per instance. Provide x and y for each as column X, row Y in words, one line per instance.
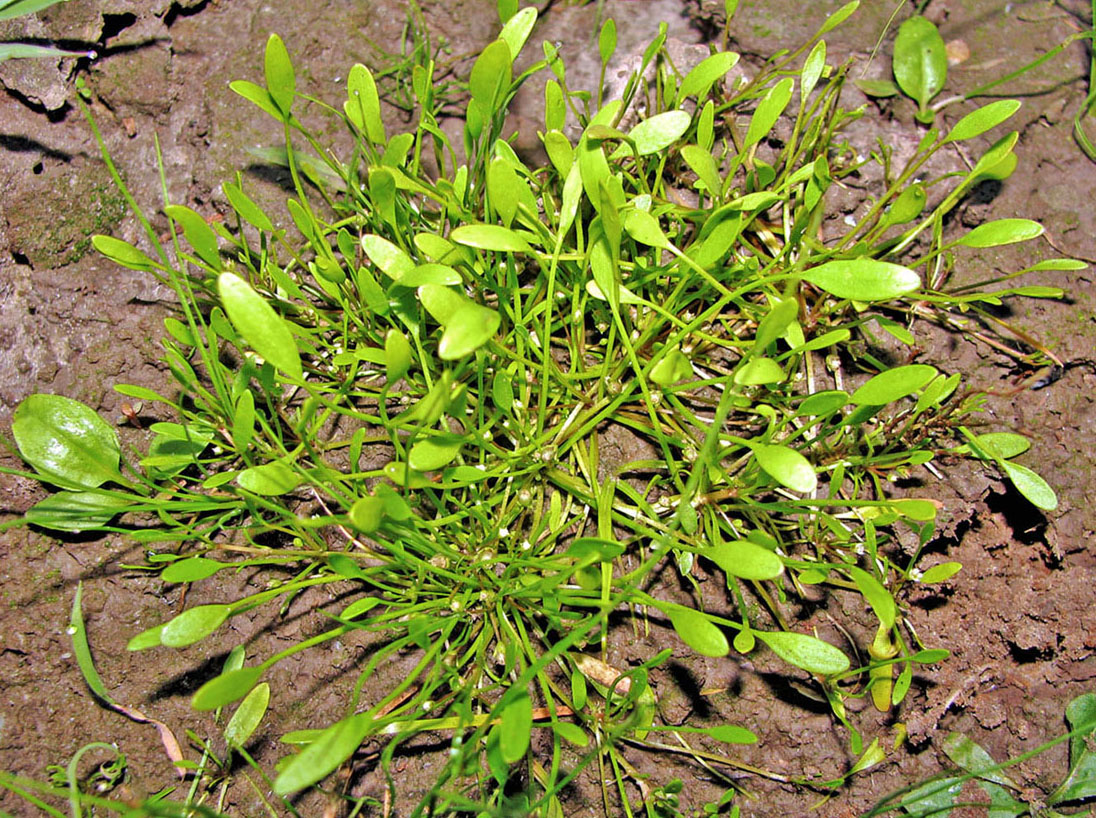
column 257, row 322
column 863, row 279
column 66, row 442
column 471, row 327
column 806, row 652
column 787, row 466
column 699, row 632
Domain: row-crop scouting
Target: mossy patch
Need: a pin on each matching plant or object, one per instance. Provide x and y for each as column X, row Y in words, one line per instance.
column 52, row 224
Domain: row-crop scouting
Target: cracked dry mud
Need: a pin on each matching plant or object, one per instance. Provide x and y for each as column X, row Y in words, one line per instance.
column 1020, row 619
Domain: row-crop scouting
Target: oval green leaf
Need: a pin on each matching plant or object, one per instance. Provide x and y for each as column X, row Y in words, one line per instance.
column 490, row 237
column 367, row 514
column 985, row 118
column 397, row 355
column 745, row 560
column 768, row 111
column 787, row 466
column 571, row 732
column 920, row 60
column 707, row 73
column 191, row 569
column 257, row 322
column 66, row 442
column 226, row 688
column 1032, row 486
column 363, row 106
column 823, row 403
column 674, row 366
column 1001, row 231
column 193, row 625
column 941, row 572
column 656, row 133
column 893, row 384
column 280, row 81
column 123, row 253
column 393, row 261
column 324, row 755
column 877, row 596
column 76, row 511
column 731, row 734
column 515, row 727
column 434, row 453
column 248, row 716
column 863, row 279
column 269, row 479
column 471, row 327
column 758, row 371
column 806, row 652
column 699, row 632
column 643, row 227
column 197, row 232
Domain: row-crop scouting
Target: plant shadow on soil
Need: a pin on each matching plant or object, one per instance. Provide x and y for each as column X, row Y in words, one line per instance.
column 72, row 324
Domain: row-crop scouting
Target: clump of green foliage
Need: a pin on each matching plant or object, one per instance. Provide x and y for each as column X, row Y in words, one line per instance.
column 406, row 394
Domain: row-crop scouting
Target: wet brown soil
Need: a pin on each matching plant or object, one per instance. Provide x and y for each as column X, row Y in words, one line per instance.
column 1020, row 619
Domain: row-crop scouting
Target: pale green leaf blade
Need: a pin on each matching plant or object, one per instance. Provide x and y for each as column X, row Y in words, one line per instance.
column 515, row 727
column 920, row 60
column 877, row 596
column 768, row 111
column 745, row 560
column 257, row 322
column 699, row 632
column 517, row 30
column 1001, row 231
column 77, row 511
column 434, row 453
column 709, row 71
column 324, row 755
column 197, row 232
column 191, row 569
column 806, row 652
column 269, row 479
column 363, row 106
column 787, row 466
column 863, row 279
column 67, row 443
column 247, row 716
column 490, row 237
column 471, row 327
column 986, row 118
column 280, row 80
column 225, row 689
column 1031, row 485
column 123, row 253
column 658, row 132
column 758, row 371
column 193, row 625
column 893, row 384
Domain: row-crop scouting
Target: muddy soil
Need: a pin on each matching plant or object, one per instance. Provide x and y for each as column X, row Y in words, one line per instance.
column 1019, row 618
